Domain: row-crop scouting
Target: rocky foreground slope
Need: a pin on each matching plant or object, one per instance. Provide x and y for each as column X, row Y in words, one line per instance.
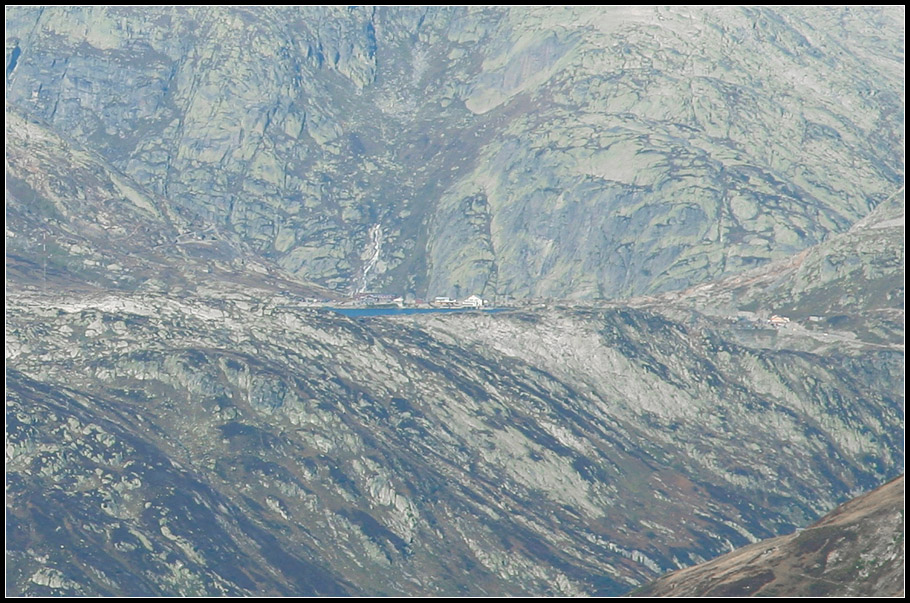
column 234, row 446
column 856, row 550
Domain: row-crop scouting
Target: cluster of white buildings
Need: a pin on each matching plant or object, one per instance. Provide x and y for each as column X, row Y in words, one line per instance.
column 474, row 301
column 382, row 299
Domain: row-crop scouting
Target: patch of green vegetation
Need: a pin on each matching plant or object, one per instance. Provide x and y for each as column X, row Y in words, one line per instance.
column 30, row 199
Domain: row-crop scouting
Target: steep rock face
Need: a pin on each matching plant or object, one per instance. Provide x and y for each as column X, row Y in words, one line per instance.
column 856, row 550
column 73, row 221
column 576, row 152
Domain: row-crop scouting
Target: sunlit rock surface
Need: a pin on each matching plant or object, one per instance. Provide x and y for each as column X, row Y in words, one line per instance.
column 560, row 452
column 577, row 152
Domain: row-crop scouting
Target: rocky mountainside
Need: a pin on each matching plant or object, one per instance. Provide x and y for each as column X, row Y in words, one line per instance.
column 851, row 271
column 856, row 550
column 179, row 181
column 74, row 222
column 581, row 152
column 848, row 290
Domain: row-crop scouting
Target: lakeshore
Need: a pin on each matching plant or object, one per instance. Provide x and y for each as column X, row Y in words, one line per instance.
column 368, row 312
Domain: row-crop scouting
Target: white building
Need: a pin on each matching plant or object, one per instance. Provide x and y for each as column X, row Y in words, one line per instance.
column 473, row 302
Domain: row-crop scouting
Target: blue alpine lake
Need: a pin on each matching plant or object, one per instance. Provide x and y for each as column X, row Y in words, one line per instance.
column 366, row 312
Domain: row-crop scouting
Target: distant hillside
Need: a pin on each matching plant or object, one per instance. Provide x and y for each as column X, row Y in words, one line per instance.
column 852, row 283
column 564, row 152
